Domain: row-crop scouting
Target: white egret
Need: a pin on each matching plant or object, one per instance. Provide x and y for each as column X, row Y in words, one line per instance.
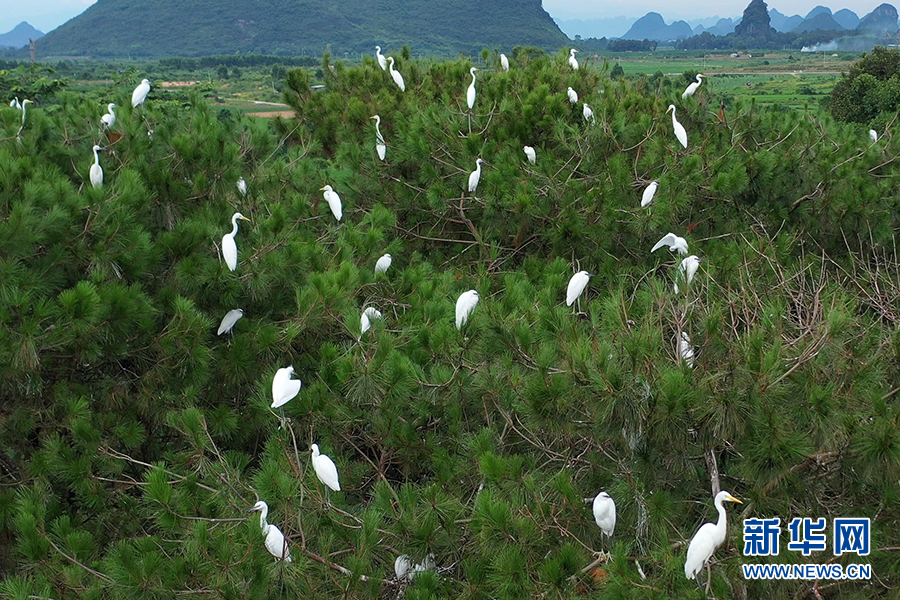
column 873, row 135
column 365, row 321
column 140, row 93
column 465, row 304
column 109, row 119
column 576, row 286
column 680, row 132
column 686, row 350
column 687, row 269
column 504, row 62
column 96, row 169
column 588, row 113
column 382, row 62
column 397, row 77
column 14, row 103
column 689, row 91
column 573, row 96
column 242, row 186
column 229, row 247
column 380, row 146
column 605, row 513
column 401, row 567
column 284, row 389
column 427, row 564
column 24, row 108
column 475, row 176
column 334, row 201
column 572, row 62
column 470, row 93
column 707, row 539
column 275, row 542
column 325, row 469
column 228, row 321
column 674, row 242
column 649, row 192
column 383, row 264
column 529, row 152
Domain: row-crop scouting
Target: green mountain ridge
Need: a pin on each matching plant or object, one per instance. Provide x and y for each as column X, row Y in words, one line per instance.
column 154, row 28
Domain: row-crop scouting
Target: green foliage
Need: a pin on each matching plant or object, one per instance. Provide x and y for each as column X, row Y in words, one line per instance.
column 134, row 437
column 870, row 92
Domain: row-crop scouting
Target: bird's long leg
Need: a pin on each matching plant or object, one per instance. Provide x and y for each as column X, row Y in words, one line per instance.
column 708, row 578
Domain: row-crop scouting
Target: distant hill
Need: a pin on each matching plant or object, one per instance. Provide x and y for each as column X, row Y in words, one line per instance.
column 722, row 27
column 653, row 27
column 19, row 36
column 817, row 11
column 596, row 28
column 153, row 28
column 820, row 21
column 883, row 18
column 847, row 18
column 783, row 23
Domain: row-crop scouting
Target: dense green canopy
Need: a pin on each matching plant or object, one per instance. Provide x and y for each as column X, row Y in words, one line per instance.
column 133, row 437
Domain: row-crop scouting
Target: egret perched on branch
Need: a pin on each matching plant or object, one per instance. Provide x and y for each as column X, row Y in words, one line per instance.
column 325, row 469
column 680, row 132
column 475, row 176
column 504, row 62
column 365, row 321
column 14, row 103
column 685, row 350
column 573, row 96
column 675, row 244
column 572, row 62
column 873, row 135
column 401, row 567
column 275, row 542
column 284, row 389
column 605, row 513
column 96, row 169
column 588, row 113
column 689, row 91
column 470, row 93
column 576, row 286
column 707, row 539
column 383, row 264
column 380, row 146
column 465, row 304
column 228, row 321
column 229, row 247
column 649, row 192
column 140, row 93
column 687, row 269
column 529, row 152
column 397, row 77
column 334, row 201
column 382, row 62
column 242, row 186
column 109, row 119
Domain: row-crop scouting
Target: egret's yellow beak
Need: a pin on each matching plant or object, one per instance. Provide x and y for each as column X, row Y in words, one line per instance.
column 321, row 189
column 244, row 218
column 733, row 499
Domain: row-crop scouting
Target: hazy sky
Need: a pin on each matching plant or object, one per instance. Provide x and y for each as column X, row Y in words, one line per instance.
column 49, row 14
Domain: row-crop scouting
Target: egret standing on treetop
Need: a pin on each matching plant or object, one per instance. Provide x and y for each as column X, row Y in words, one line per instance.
column 383, row 264
column 242, row 186
column 693, row 87
column 380, row 146
column 109, row 119
column 14, row 103
column 504, row 62
column 573, row 96
column 529, row 152
column 284, row 389
column 649, row 192
column 588, row 113
column 576, row 286
column 465, row 304
column 680, row 132
column 572, row 62
column 707, row 539
column 275, row 542
column 873, row 135
column 229, row 247
column 605, row 513
column 687, row 269
column 397, row 77
column 96, row 169
column 334, row 202
column 475, row 176
column 382, row 62
column 675, row 244
column 325, row 469
column 686, row 350
column 470, row 93
column 140, row 93
column 365, row 321
column 228, row 321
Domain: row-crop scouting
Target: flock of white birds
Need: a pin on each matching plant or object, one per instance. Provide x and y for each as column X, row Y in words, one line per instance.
column 284, row 388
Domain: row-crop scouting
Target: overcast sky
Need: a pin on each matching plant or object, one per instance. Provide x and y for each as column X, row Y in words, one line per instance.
column 46, row 15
